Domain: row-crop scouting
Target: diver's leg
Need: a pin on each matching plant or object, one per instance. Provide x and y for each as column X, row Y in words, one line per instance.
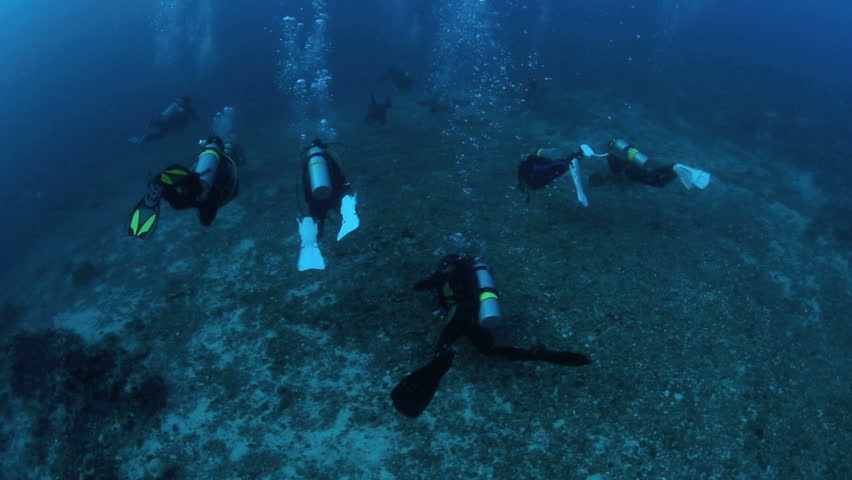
column 656, row 177
column 156, row 130
column 318, row 210
column 483, row 340
column 184, row 194
column 455, row 328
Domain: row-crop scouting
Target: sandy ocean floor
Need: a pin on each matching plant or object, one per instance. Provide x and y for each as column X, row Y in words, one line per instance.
column 718, row 327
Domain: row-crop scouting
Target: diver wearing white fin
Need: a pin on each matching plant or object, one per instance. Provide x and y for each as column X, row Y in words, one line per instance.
column 626, row 161
column 325, row 188
column 541, row 168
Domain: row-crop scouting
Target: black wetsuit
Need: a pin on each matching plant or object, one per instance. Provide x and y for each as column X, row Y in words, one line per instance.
column 622, row 168
column 536, row 172
column 186, row 192
column 318, row 209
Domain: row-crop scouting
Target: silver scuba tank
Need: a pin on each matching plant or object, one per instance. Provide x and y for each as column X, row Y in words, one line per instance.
column 625, row 150
column 318, row 173
column 489, row 305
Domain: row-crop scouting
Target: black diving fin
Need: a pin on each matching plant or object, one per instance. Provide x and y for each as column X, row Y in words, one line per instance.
column 413, row 394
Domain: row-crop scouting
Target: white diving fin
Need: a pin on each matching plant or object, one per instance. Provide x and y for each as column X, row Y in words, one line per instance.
column 692, row 177
column 350, row 218
column 578, row 182
column 310, row 257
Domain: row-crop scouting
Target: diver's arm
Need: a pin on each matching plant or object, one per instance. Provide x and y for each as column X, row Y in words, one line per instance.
column 430, row 283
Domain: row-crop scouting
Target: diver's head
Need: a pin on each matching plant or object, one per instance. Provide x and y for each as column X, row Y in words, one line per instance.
column 184, row 101
column 212, row 142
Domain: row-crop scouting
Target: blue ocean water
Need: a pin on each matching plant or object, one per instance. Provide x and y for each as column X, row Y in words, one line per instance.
column 716, row 319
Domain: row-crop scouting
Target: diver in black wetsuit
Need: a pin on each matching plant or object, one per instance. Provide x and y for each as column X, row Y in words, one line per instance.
column 541, row 168
column 174, row 118
column 377, row 113
column 211, row 183
column 466, row 291
column 625, row 162
column 628, row 163
column 323, row 182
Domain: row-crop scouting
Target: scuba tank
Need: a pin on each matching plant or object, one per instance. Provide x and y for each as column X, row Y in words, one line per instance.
column 489, row 306
column 625, row 150
column 318, row 171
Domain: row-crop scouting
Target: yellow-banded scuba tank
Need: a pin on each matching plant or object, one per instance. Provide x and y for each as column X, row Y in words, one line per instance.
column 489, row 304
column 624, row 150
column 318, row 172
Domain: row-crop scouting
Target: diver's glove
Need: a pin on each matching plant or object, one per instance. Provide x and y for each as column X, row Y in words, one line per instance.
column 588, row 152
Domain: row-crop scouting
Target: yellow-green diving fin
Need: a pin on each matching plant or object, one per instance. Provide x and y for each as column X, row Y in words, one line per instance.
column 142, row 221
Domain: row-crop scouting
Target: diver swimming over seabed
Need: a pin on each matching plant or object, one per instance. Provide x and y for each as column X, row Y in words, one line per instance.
column 208, row 185
column 443, row 104
column 626, row 162
column 403, row 81
column 467, row 293
column 174, row 118
column 540, row 169
column 377, row 112
column 324, row 187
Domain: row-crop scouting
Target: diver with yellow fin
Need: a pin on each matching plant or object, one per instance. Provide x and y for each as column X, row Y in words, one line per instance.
column 467, row 293
column 324, row 188
column 211, row 183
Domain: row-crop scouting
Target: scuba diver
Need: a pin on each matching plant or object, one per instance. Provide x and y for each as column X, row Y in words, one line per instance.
column 403, row 81
column 324, row 188
column 466, row 292
column 626, row 162
column 533, row 97
column 377, row 112
column 174, row 118
column 540, row 169
column 443, row 104
column 211, row 183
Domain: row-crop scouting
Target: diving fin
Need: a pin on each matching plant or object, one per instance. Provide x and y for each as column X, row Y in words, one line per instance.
column 578, row 182
column 143, row 219
column 350, row 218
column 310, row 257
column 691, row 177
column 413, row 394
